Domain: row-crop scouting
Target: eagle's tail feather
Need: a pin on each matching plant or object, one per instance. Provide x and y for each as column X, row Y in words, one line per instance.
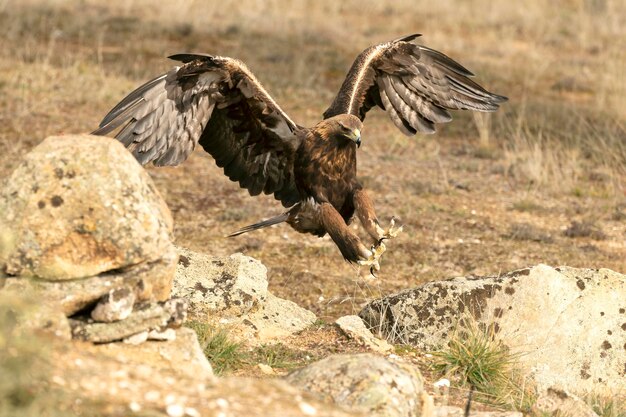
column 260, row 225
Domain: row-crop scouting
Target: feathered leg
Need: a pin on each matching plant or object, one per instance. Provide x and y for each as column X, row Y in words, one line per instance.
column 365, row 211
column 348, row 243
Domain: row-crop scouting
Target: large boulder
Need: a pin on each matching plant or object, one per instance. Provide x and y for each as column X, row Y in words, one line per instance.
column 367, row 383
column 567, row 324
column 78, row 206
column 232, row 292
column 80, row 217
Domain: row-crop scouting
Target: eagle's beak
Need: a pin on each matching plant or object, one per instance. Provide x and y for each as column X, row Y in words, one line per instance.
column 357, row 137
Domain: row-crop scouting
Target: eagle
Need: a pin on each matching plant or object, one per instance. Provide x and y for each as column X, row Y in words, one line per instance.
column 217, row 102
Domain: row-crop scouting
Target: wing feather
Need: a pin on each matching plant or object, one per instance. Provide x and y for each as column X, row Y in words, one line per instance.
column 218, row 103
column 414, row 84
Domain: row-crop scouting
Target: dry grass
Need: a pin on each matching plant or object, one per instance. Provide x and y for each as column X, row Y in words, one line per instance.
column 560, row 141
column 475, row 357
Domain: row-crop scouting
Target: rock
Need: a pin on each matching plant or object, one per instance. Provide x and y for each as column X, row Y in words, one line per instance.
column 33, row 316
column 232, row 292
column 165, row 335
column 275, row 319
column 182, row 354
column 230, row 286
column 366, row 383
column 78, row 206
column 114, row 379
column 354, row 328
column 75, row 295
column 116, row 305
column 146, row 317
column 561, row 402
column 567, row 324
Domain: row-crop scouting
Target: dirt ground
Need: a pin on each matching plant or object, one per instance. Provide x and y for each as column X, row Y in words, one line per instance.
column 541, row 181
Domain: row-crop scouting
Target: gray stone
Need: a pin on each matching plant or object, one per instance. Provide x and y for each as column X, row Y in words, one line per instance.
column 228, row 287
column 368, row 384
column 78, row 206
column 146, row 317
column 232, row 292
column 354, row 328
column 567, row 324
column 559, row 400
column 116, row 305
column 276, row 318
column 147, row 281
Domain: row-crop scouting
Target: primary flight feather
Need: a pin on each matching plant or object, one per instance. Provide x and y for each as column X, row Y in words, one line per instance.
column 218, row 103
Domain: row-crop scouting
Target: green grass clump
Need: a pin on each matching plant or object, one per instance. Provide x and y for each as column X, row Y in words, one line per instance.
column 474, row 357
column 225, row 354
column 607, row 407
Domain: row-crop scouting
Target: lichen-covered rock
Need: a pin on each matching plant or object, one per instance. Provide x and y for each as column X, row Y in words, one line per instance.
column 144, row 318
column 368, row 384
column 116, row 305
column 568, row 324
column 232, row 292
column 149, row 281
column 354, row 328
column 558, row 401
column 276, row 318
column 228, row 287
column 78, row 206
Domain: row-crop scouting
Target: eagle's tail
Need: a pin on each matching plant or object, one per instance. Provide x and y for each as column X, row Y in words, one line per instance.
column 260, row 225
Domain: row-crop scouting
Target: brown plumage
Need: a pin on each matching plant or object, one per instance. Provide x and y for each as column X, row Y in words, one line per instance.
column 218, row 103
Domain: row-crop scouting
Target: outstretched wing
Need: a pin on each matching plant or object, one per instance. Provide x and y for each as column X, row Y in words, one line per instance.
column 217, row 102
column 416, row 85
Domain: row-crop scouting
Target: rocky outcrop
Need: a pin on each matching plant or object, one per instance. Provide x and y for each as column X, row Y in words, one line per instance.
column 79, row 217
column 367, row 383
column 569, row 325
column 232, row 292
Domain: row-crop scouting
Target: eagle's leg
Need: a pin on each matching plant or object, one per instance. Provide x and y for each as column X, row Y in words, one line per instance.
column 367, row 215
column 348, row 243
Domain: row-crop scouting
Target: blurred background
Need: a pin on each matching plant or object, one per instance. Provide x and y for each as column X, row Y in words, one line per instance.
column 540, row 181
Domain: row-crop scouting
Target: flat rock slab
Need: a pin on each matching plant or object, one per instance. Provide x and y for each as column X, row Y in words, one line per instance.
column 568, row 324
column 182, row 354
column 144, row 318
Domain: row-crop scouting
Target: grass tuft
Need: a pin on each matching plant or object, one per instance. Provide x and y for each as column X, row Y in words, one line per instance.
column 474, row 357
column 225, row 354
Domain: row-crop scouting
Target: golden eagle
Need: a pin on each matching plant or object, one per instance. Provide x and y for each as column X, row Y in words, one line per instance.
column 217, row 102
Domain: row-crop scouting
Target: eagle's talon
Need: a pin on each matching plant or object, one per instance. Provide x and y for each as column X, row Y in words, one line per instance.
column 373, row 260
column 391, row 232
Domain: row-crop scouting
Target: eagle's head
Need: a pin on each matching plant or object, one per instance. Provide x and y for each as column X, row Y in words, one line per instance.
column 342, row 127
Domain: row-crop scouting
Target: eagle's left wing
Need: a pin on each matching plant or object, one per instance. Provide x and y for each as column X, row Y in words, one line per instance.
column 416, row 85
column 218, row 103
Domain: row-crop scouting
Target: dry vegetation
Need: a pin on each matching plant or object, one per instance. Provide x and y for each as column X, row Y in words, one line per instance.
column 543, row 180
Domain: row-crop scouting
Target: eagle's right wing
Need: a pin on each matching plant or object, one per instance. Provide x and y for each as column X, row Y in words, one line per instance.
column 416, row 85
column 217, row 102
